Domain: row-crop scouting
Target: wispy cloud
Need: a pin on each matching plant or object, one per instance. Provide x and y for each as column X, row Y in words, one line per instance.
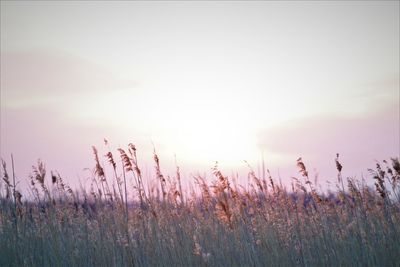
column 38, row 77
column 360, row 140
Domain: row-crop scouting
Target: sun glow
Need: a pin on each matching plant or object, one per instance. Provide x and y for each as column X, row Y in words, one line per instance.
column 199, row 125
column 212, row 132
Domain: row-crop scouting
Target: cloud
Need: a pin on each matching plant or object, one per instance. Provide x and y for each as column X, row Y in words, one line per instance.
column 359, row 140
column 379, row 92
column 39, row 77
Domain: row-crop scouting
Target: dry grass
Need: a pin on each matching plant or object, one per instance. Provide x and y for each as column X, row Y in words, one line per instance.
column 219, row 224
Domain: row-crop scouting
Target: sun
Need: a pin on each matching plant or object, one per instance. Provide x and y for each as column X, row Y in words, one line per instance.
column 210, row 130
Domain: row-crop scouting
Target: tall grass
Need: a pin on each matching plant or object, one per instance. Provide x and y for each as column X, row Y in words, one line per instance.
column 219, row 223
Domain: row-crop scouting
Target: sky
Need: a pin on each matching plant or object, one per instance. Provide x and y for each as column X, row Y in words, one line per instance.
column 201, row 81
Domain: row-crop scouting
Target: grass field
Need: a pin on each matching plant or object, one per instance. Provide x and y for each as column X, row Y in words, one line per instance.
column 219, row 223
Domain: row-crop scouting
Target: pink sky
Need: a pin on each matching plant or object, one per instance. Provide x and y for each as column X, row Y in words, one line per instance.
column 221, row 81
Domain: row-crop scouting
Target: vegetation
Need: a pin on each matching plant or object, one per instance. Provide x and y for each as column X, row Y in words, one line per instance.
column 218, row 223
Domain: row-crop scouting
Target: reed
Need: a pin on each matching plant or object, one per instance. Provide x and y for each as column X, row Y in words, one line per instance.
column 218, row 223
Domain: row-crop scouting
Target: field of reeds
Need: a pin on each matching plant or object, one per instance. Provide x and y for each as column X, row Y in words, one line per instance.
column 217, row 223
